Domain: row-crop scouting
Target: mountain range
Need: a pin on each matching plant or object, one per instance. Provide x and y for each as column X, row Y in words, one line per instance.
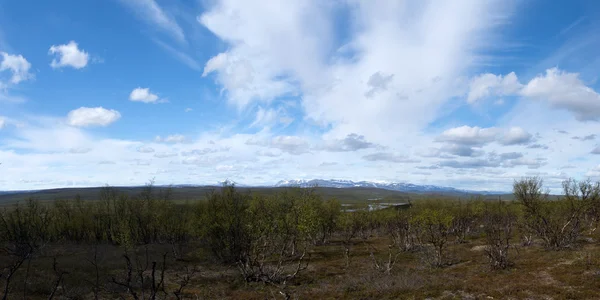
column 393, row 186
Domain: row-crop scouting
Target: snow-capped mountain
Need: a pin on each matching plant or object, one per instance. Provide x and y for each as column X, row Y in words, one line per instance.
column 394, row 186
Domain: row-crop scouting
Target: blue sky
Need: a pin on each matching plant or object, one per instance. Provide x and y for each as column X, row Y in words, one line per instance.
column 470, row 94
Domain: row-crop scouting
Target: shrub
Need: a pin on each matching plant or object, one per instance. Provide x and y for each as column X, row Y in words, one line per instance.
column 557, row 222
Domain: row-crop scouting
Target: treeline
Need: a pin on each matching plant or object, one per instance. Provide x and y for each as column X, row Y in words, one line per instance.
column 270, row 239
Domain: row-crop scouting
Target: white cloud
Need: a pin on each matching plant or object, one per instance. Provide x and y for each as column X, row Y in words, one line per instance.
column 268, row 117
column 558, row 88
column 2, row 122
column 18, row 65
column 175, row 138
column 529, row 163
column 516, row 136
column 466, row 135
column 258, row 159
column 143, row 95
column 352, row 142
column 188, row 110
column 290, row 144
column 460, row 139
column 152, row 13
column 80, row 150
column 92, row 116
column 68, row 55
column 487, row 85
column 264, row 117
column 381, row 75
column 565, row 91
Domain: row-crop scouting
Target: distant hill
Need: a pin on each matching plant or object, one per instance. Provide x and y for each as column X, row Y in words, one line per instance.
column 346, row 194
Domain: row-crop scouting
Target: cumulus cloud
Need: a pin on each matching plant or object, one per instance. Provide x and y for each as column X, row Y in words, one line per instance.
column 92, row 116
column 487, row 85
column 390, row 157
column 565, row 90
column 143, row 95
column 596, row 150
column 460, row 140
column 466, row 135
column 516, row 136
column 17, row 65
column 68, row 55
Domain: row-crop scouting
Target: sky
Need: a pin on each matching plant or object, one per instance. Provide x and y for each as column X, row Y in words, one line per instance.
column 467, row 93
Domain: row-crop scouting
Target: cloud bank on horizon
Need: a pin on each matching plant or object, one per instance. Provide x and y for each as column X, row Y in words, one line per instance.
column 468, row 94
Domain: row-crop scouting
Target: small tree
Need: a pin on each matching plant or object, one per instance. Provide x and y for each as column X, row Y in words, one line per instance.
column 402, row 231
column 227, row 216
column 498, row 223
column 435, row 227
column 465, row 216
column 23, row 232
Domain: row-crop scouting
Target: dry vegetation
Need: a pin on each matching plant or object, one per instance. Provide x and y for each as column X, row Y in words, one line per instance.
column 296, row 245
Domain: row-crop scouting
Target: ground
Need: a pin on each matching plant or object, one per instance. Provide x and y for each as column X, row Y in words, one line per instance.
column 536, row 273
